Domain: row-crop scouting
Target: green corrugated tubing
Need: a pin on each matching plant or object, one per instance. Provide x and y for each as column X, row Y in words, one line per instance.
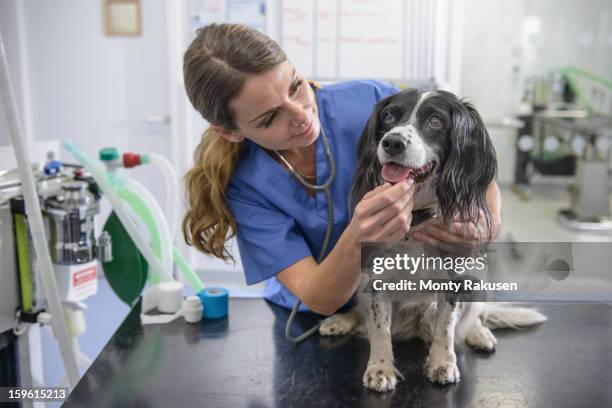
column 143, row 211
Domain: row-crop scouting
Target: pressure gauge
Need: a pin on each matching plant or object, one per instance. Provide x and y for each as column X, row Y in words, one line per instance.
column 551, row 143
column 525, row 143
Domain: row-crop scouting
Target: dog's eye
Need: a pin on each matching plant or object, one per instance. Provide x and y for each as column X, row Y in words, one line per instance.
column 435, row 122
column 389, row 118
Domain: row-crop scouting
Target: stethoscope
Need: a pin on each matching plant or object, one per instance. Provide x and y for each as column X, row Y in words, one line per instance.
column 330, row 220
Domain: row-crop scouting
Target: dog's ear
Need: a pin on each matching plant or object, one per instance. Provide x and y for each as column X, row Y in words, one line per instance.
column 470, row 167
column 368, row 173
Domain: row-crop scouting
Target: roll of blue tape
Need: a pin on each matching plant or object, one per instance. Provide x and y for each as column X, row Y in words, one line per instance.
column 215, row 302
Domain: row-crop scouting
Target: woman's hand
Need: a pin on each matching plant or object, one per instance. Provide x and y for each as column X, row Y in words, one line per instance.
column 435, row 231
column 384, row 214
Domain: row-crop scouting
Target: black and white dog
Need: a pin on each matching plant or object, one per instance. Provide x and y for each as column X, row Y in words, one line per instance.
column 440, row 142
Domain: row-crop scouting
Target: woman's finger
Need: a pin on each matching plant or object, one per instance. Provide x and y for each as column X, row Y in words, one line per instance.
column 396, row 236
column 386, row 197
column 472, row 231
column 400, row 221
column 379, row 219
column 375, row 190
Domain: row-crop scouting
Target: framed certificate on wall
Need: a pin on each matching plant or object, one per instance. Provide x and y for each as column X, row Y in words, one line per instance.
column 122, row 18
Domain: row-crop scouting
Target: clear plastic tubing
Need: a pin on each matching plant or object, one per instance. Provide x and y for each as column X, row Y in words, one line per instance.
column 145, row 214
column 170, row 179
column 159, row 228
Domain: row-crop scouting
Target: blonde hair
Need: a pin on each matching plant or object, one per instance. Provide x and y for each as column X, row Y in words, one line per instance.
column 215, row 67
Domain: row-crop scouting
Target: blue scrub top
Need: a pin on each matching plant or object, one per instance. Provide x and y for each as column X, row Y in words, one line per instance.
column 278, row 223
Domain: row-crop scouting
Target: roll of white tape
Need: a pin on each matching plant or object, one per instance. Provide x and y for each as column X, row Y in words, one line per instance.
column 169, row 297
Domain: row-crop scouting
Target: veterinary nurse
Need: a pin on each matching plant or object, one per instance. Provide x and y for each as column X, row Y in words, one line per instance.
column 257, row 104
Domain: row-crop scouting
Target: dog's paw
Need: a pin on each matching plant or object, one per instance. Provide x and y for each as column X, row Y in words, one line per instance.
column 380, row 377
column 336, row 325
column 481, row 338
column 442, row 372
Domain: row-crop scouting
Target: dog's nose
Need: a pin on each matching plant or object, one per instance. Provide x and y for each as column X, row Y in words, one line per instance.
column 394, row 144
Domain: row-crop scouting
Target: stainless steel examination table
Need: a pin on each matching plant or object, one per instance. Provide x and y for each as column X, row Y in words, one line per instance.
column 245, row 361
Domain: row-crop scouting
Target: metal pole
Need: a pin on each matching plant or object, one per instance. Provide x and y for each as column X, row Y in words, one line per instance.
column 35, row 220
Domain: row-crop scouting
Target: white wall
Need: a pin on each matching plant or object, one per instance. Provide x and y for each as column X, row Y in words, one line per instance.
column 94, row 89
column 576, row 33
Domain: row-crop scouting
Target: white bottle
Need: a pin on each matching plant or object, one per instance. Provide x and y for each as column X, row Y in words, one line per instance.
column 192, row 309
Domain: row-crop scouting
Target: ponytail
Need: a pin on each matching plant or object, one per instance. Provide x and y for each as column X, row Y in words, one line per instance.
column 208, row 222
